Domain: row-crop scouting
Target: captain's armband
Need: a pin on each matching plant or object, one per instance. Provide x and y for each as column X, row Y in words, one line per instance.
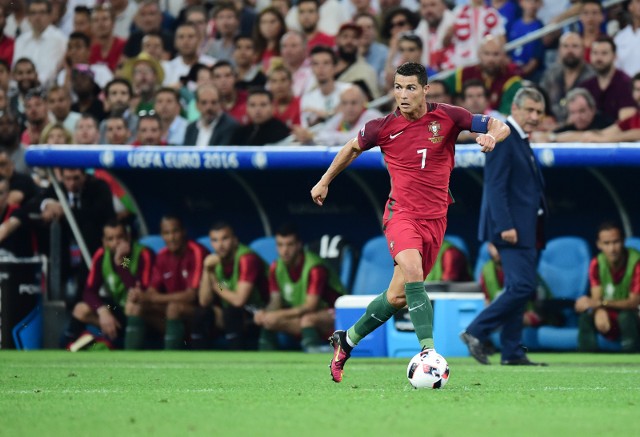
column 480, row 123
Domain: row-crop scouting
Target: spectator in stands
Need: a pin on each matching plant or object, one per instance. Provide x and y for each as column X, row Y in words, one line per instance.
column 321, row 103
column 55, row 133
column 345, row 124
column 21, row 186
column 244, row 58
column 118, row 267
column 473, row 23
column 232, row 101
column 37, row 116
column 263, row 128
column 627, row 130
column 7, row 43
column 87, row 92
column 59, row 103
column 152, row 44
column 396, row 23
column 82, row 20
column 149, row 132
column 529, row 57
column 234, row 283
column 170, row 300
column 124, row 11
column 17, row 21
column 197, row 16
column 145, row 74
column 439, row 92
column 475, row 99
column 25, row 76
column 5, row 75
column 351, row 66
column 436, row 20
column 628, row 41
column 44, row 45
column 78, row 52
column 303, row 291
column 186, row 43
column 269, row 29
column 15, row 234
column 106, row 48
column 583, row 116
column 308, row 18
column 569, row 72
column 286, row 106
column 10, row 140
column 214, row 127
column 332, row 14
column 91, row 205
column 591, row 18
column 167, row 106
column 227, row 24
column 293, row 49
column 116, row 131
column 492, row 284
column 610, row 88
column 118, row 94
column 86, row 131
column 451, row 265
column 495, row 71
column 611, row 308
column 374, row 52
column 148, row 19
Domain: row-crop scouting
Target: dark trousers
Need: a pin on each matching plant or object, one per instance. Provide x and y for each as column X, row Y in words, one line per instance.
column 628, row 325
column 239, row 330
column 519, row 266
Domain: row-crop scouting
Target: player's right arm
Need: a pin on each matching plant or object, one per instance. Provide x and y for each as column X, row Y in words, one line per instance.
column 350, row 151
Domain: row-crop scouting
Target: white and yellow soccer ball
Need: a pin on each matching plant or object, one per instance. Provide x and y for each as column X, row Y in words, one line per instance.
column 428, row 369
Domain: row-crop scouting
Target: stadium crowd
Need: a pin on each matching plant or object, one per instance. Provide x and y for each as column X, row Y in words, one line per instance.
column 201, row 73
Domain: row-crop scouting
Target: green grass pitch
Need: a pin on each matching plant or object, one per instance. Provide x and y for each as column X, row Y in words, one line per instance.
column 55, row 393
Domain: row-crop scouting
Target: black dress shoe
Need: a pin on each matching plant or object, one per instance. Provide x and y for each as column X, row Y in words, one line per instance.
column 524, row 361
column 476, row 348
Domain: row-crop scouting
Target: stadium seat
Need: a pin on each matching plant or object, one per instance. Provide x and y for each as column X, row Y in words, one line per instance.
column 459, row 243
column 338, row 254
column 483, row 257
column 633, row 242
column 206, row 242
column 564, row 266
column 375, row 268
column 266, row 248
column 153, row 242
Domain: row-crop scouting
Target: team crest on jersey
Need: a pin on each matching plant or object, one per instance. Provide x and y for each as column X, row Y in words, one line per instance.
column 434, row 128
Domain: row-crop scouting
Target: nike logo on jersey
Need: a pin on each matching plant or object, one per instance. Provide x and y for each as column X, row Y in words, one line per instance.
column 393, row 136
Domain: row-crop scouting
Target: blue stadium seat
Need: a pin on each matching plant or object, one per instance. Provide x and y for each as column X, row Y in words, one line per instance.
column 266, row 248
column 633, row 242
column 153, row 242
column 564, row 266
column 459, row 243
column 206, row 242
column 375, row 268
column 483, row 257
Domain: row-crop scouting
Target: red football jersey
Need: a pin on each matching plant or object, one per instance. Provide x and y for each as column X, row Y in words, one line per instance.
column 419, row 156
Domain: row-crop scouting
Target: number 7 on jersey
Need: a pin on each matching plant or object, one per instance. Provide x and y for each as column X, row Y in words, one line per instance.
column 424, row 156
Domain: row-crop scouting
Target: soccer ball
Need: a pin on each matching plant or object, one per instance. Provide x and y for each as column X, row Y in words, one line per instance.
column 428, row 369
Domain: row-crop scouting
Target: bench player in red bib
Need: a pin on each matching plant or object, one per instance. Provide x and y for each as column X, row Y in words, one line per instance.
column 417, row 141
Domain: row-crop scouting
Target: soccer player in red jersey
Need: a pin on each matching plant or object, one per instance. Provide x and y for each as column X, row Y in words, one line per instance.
column 417, row 141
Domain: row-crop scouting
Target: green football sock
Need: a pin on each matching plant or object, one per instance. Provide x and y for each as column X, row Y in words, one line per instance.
column 174, row 336
column 310, row 337
column 268, row 340
column 421, row 312
column 378, row 312
column 134, row 334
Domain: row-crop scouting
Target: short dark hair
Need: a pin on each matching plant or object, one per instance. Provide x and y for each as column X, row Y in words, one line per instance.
column 414, row 69
column 411, row 37
column 24, row 61
column 118, row 80
column 47, row 3
column 324, row 49
column 5, row 64
column 87, row 116
column 82, row 10
column 224, row 6
column 169, row 90
column 444, row 85
column 151, row 115
column 594, row 2
column 221, row 64
column 315, row 2
column 260, row 91
column 81, row 37
column 288, row 229
column 173, row 217
column 117, row 117
column 606, row 40
column 474, row 83
column 608, row 225
column 116, row 223
column 635, row 77
column 242, row 37
column 220, row 225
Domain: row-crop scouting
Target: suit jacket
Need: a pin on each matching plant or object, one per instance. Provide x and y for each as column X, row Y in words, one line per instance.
column 513, row 191
column 221, row 133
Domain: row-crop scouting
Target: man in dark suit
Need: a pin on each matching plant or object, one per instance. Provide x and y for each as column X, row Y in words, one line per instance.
column 215, row 127
column 511, row 214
